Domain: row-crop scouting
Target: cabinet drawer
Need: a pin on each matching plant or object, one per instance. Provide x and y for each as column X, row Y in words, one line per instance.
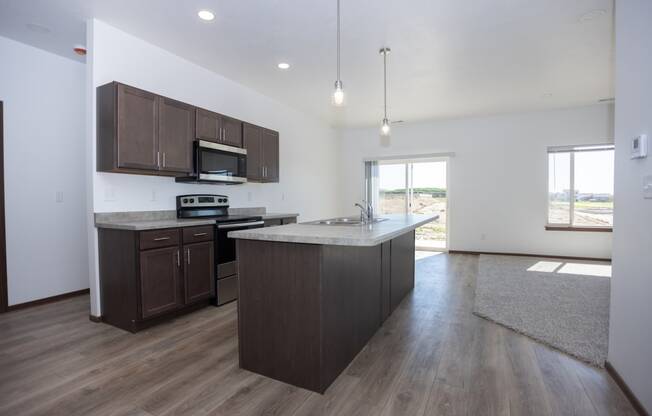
column 227, row 290
column 197, row 234
column 159, row 238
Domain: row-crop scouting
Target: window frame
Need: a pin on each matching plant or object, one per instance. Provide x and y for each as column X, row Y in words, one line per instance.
column 572, row 150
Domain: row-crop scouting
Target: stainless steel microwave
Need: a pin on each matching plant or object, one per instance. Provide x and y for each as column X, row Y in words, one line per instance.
column 215, row 162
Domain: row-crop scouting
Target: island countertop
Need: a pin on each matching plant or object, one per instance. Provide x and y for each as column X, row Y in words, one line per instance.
column 340, row 235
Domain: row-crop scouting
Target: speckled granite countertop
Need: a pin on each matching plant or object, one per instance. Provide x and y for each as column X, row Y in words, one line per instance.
column 153, row 220
column 342, row 235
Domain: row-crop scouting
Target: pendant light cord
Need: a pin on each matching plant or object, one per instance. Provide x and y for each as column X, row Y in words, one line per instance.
column 338, row 40
column 385, row 79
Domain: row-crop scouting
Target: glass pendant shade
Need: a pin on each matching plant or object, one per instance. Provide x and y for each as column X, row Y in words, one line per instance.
column 338, row 94
column 385, row 128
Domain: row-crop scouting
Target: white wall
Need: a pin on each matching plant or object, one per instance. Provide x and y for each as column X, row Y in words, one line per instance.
column 630, row 331
column 308, row 147
column 44, row 143
column 498, row 176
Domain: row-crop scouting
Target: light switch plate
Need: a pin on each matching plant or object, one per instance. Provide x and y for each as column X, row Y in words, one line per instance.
column 647, row 187
column 639, row 147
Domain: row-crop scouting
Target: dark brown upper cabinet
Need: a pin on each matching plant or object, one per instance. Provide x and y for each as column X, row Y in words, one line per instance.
column 137, row 128
column 252, row 136
column 262, row 153
column 176, row 134
column 217, row 128
column 141, row 132
column 270, row 155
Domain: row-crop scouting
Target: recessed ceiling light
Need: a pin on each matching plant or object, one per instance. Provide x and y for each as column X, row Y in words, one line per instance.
column 592, row 14
column 547, row 95
column 283, row 65
column 38, row 28
column 206, row 15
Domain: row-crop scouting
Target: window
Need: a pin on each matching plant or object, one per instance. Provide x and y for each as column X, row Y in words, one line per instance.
column 581, row 187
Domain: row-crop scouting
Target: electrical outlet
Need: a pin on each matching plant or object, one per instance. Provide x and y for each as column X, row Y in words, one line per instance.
column 59, row 197
column 647, row 187
column 109, row 194
column 483, row 236
column 283, row 196
column 153, row 195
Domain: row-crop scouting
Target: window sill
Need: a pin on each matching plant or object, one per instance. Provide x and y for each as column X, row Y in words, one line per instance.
column 582, row 229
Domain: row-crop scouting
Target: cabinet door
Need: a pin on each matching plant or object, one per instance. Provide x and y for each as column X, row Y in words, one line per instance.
column 199, row 271
column 176, row 133
column 137, row 129
column 252, row 142
column 160, row 281
column 207, row 125
column 232, row 131
column 270, row 155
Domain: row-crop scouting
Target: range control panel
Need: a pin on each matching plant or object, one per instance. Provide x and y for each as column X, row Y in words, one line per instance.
column 202, row 201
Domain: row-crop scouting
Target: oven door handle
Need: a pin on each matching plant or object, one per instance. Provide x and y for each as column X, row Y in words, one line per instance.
column 239, row 225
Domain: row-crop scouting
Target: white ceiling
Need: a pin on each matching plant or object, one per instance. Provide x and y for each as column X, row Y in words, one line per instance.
column 450, row 58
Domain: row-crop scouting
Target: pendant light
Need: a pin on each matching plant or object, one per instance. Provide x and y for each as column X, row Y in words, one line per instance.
column 385, row 129
column 338, row 94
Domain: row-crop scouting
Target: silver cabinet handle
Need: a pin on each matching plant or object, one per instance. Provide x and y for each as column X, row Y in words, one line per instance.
column 199, row 234
column 161, row 238
column 223, row 134
column 158, row 159
column 163, row 159
column 178, row 259
column 188, row 256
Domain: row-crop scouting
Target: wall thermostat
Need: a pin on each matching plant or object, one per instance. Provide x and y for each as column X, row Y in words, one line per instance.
column 639, row 147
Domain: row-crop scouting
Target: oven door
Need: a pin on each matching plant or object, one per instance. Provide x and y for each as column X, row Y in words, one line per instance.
column 225, row 247
column 220, row 163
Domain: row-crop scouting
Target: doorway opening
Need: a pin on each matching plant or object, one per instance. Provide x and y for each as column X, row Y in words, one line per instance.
column 414, row 186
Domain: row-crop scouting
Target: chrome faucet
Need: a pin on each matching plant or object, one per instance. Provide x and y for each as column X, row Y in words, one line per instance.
column 366, row 213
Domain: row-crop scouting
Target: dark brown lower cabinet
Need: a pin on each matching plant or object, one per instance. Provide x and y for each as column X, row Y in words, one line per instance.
column 199, row 263
column 160, row 281
column 149, row 276
column 305, row 311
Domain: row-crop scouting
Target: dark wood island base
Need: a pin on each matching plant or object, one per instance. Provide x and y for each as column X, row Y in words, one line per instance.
column 306, row 310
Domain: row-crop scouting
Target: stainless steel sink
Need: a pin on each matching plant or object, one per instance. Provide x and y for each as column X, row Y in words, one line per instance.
column 346, row 221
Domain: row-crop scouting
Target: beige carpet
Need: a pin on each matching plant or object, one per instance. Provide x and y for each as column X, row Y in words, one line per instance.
column 562, row 303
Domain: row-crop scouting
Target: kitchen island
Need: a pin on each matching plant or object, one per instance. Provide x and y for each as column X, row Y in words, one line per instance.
column 312, row 295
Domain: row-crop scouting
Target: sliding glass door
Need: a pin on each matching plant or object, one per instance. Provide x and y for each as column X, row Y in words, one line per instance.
column 392, row 188
column 412, row 186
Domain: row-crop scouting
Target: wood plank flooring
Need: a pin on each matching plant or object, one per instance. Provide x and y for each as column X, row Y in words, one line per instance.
column 431, row 357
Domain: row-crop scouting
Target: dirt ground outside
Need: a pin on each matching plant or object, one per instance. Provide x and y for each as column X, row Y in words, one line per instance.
column 432, row 235
column 587, row 213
